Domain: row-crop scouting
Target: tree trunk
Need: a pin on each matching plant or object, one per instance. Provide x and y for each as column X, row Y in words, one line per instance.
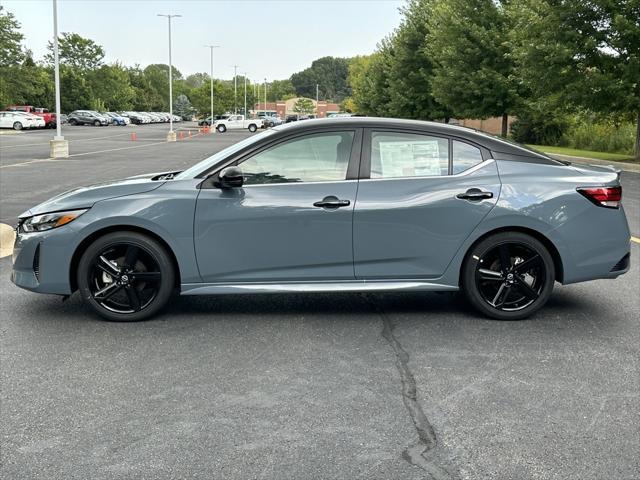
column 446, row 119
column 637, row 149
column 505, row 124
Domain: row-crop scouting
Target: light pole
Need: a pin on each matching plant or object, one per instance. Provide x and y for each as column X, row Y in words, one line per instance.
column 317, row 100
column 59, row 147
column 171, row 136
column 245, row 95
column 265, row 96
column 211, row 47
column 235, row 88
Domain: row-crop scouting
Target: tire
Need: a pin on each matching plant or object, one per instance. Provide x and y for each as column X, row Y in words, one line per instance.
column 17, row 126
column 516, row 291
column 253, row 128
column 110, row 275
column 221, row 128
column 96, row 123
column 73, row 122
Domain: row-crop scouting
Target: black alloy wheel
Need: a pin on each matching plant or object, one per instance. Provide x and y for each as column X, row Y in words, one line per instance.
column 126, row 276
column 509, row 276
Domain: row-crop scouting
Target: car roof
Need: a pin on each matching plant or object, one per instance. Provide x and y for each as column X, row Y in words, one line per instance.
column 488, row 141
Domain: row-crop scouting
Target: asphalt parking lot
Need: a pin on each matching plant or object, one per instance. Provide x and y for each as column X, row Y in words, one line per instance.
column 305, row 386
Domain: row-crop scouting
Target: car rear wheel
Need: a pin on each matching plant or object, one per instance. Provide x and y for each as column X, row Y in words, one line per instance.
column 253, row 128
column 221, row 128
column 126, row 276
column 508, row 276
column 17, row 126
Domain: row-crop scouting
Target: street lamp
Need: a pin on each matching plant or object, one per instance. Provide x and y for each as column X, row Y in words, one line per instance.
column 211, row 47
column 59, row 147
column 245, row 95
column 235, row 89
column 171, row 136
column 265, row 96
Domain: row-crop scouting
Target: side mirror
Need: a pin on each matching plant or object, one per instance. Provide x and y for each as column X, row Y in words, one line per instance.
column 230, row 177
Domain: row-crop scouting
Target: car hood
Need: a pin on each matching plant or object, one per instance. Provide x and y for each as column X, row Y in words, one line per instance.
column 85, row 197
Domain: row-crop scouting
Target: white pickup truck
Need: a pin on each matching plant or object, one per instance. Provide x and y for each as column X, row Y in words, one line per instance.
column 235, row 122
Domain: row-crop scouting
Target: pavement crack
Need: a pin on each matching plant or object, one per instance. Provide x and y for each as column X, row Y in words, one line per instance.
column 419, row 452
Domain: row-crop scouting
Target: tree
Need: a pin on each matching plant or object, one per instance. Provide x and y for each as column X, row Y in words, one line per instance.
column 77, row 52
column 280, row 90
column 182, row 107
column 110, row 87
column 369, row 79
column 473, row 75
column 10, row 39
column 329, row 73
column 222, row 98
column 304, row 106
column 411, row 70
column 74, row 92
column 575, row 54
column 195, row 80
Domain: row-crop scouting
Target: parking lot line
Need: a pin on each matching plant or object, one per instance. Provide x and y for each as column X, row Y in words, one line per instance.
column 70, row 141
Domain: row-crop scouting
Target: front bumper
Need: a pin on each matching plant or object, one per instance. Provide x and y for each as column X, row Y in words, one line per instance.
column 41, row 261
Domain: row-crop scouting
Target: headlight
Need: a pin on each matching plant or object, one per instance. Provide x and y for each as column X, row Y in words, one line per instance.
column 47, row 221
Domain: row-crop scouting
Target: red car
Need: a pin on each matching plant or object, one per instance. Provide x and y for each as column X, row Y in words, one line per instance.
column 49, row 118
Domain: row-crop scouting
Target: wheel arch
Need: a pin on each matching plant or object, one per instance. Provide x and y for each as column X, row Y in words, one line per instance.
column 89, row 239
column 553, row 251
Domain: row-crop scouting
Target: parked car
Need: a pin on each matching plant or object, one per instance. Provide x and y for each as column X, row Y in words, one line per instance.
column 208, row 121
column 116, row 119
column 236, row 122
column 87, row 117
column 271, row 120
column 20, row 120
column 291, row 118
column 348, row 204
column 48, row 117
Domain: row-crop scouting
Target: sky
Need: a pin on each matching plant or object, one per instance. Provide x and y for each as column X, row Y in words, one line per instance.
column 267, row 38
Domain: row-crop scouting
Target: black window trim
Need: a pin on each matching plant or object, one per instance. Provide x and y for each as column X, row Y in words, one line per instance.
column 353, row 168
column 365, row 164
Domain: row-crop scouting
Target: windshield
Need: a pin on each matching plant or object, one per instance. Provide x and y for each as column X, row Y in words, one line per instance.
column 207, row 163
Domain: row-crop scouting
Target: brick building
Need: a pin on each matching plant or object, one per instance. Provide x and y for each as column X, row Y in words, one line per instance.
column 283, row 108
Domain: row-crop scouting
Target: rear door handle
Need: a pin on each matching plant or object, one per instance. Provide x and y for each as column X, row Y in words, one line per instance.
column 474, row 194
column 332, row 202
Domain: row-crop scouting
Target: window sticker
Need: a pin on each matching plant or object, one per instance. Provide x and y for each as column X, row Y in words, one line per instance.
column 410, row 158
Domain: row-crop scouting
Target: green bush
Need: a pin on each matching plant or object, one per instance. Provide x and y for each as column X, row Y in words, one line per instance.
column 538, row 129
column 603, row 136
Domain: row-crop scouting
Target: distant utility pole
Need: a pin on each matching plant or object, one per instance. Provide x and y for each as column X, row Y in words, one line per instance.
column 171, row 136
column 245, row 94
column 211, row 47
column 265, row 96
column 235, row 88
column 317, row 86
column 59, row 147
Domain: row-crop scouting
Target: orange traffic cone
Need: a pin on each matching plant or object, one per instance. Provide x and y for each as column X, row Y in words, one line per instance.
column 181, row 135
column 189, row 133
column 133, row 136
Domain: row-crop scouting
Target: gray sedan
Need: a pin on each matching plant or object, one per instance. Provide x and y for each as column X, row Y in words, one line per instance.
column 347, row 204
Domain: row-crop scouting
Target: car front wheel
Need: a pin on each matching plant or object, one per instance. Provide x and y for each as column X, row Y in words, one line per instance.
column 126, row 276
column 508, row 276
column 17, row 126
column 252, row 128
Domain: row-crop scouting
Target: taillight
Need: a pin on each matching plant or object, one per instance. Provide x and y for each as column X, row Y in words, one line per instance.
column 609, row 197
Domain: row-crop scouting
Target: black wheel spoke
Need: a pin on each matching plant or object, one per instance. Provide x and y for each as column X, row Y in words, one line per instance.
column 490, row 275
column 107, row 292
column 131, row 256
column 505, row 259
column 134, row 299
column 146, row 276
column 107, row 267
column 524, row 288
column 528, row 264
column 498, row 300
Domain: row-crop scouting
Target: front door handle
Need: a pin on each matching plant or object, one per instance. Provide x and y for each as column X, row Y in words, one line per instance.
column 474, row 194
column 332, row 202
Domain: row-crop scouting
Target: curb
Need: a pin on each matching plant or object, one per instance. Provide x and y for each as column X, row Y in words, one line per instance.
column 625, row 166
column 7, row 237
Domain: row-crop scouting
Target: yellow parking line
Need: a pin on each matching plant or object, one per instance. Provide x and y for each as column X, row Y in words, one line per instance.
column 635, row 239
column 7, row 236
